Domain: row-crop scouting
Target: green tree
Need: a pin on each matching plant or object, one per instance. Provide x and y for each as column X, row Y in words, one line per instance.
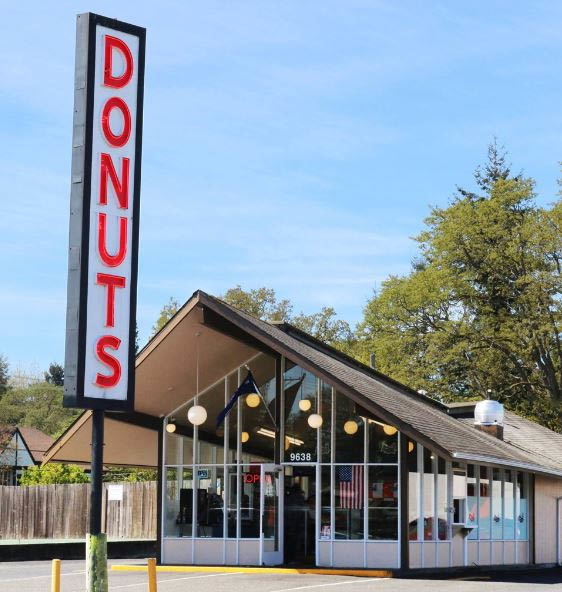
column 260, row 303
column 326, row 327
column 129, row 474
column 480, row 309
column 167, row 312
column 263, row 304
column 53, row 473
column 3, row 374
column 55, row 375
column 39, row 406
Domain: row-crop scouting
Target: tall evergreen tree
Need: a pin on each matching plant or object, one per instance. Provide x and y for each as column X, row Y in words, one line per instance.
column 481, row 309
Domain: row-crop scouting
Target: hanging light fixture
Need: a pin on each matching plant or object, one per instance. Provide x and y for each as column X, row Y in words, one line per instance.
column 305, row 404
column 389, row 430
column 410, row 446
column 171, row 426
column 244, row 437
column 253, row 400
column 197, row 414
column 315, row 420
column 350, row 427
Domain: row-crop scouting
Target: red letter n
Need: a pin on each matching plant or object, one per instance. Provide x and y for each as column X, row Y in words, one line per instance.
column 121, row 188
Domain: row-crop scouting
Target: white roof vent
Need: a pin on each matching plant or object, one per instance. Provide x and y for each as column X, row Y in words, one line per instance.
column 488, row 412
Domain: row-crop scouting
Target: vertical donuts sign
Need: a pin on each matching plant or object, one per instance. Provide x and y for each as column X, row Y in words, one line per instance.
column 104, row 214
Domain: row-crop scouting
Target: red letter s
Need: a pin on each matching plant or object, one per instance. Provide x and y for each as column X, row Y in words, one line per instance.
column 113, row 343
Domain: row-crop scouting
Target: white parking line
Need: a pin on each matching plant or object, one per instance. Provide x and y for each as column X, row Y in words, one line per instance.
column 357, row 581
column 143, row 583
column 69, row 573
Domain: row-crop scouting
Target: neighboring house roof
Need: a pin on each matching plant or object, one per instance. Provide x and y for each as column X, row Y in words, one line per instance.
column 416, row 415
column 36, row 441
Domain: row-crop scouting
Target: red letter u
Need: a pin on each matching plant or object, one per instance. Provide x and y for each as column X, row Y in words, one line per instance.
column 112, row 260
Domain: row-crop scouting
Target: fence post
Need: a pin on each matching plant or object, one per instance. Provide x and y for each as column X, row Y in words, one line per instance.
column 55, row 575
column 151, row 568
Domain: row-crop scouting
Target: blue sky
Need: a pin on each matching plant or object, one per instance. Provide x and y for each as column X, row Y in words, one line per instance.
column 295, row 145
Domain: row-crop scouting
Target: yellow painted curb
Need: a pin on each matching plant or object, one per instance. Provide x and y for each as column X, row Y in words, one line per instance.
column 370, row 573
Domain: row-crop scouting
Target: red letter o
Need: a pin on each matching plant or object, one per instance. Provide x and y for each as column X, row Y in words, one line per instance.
column 123, row 137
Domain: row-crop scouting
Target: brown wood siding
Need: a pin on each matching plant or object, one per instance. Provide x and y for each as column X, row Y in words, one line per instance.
column 546, row 492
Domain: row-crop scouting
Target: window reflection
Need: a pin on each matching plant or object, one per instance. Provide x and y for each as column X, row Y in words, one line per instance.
column 300, row 401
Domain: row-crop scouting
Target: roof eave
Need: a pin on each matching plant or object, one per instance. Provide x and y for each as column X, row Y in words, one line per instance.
column 481, row 458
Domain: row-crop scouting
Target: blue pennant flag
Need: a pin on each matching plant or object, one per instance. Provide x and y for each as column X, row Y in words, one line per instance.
column 248, row 386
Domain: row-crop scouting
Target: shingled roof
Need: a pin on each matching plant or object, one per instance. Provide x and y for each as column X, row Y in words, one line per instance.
column 418, row 416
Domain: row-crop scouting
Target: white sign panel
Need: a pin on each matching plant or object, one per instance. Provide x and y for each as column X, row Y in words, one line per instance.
column 99, row 365
column 115, row 492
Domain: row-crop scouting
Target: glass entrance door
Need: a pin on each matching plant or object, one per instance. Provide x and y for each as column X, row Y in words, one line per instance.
column 271, row 496
column 300, row 514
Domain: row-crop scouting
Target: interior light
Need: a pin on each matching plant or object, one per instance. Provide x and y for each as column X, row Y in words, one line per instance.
column 171, row 427
column 253, row 400
column 350, row 427
column 197, row 415
column 266, row 432
column 315, row 420
column 244, row 436
column 305, row 404
column 410, row 446
column 389, row 430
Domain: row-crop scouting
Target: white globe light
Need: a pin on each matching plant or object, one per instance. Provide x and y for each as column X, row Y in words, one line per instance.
column 350, row 427
column 389, row 430
column 315, row 420
column 253, row 400
column 305, row 404
column 171, row 428
column 244, row 436
column 197, row 415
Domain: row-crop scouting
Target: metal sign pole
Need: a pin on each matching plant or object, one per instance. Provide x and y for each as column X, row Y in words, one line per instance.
column 96, row 541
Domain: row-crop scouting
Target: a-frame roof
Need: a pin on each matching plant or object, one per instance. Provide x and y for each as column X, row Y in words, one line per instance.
column 416, row 415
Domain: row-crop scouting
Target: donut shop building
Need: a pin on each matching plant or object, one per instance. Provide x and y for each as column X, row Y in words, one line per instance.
column 273, row 448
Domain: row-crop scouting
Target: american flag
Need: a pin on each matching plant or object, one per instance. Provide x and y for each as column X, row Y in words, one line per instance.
column 351, row 486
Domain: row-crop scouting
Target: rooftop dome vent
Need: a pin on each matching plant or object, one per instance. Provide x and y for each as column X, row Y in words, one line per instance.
column 488, row 417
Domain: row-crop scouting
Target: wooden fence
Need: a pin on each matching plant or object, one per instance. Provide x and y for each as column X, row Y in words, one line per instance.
column 61, row 511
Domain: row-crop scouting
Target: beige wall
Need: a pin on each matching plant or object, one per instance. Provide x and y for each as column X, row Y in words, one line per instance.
column 546, row 491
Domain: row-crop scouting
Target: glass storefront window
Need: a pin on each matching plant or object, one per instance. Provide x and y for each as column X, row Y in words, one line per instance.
column 349, row 428
column 172, row 503
column 484, row 509
column 173, row 449
column 301, row 400
column 383, row 441
column 231, row 419
column 326, row 428
column 472, row 502
column 442, row 513
column 428, row 495
column 522, row 507
column 210, row 501
column 509, row 506
column 383, row 503
column 179, row 502
column 250, row 502
column 326, row 503
column 231, row 497
column 349, row 502
column 497, row 518
column 258, row 422
column 413, row 491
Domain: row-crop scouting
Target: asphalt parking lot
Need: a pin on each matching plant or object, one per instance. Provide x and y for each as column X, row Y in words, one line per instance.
column 34, row 576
